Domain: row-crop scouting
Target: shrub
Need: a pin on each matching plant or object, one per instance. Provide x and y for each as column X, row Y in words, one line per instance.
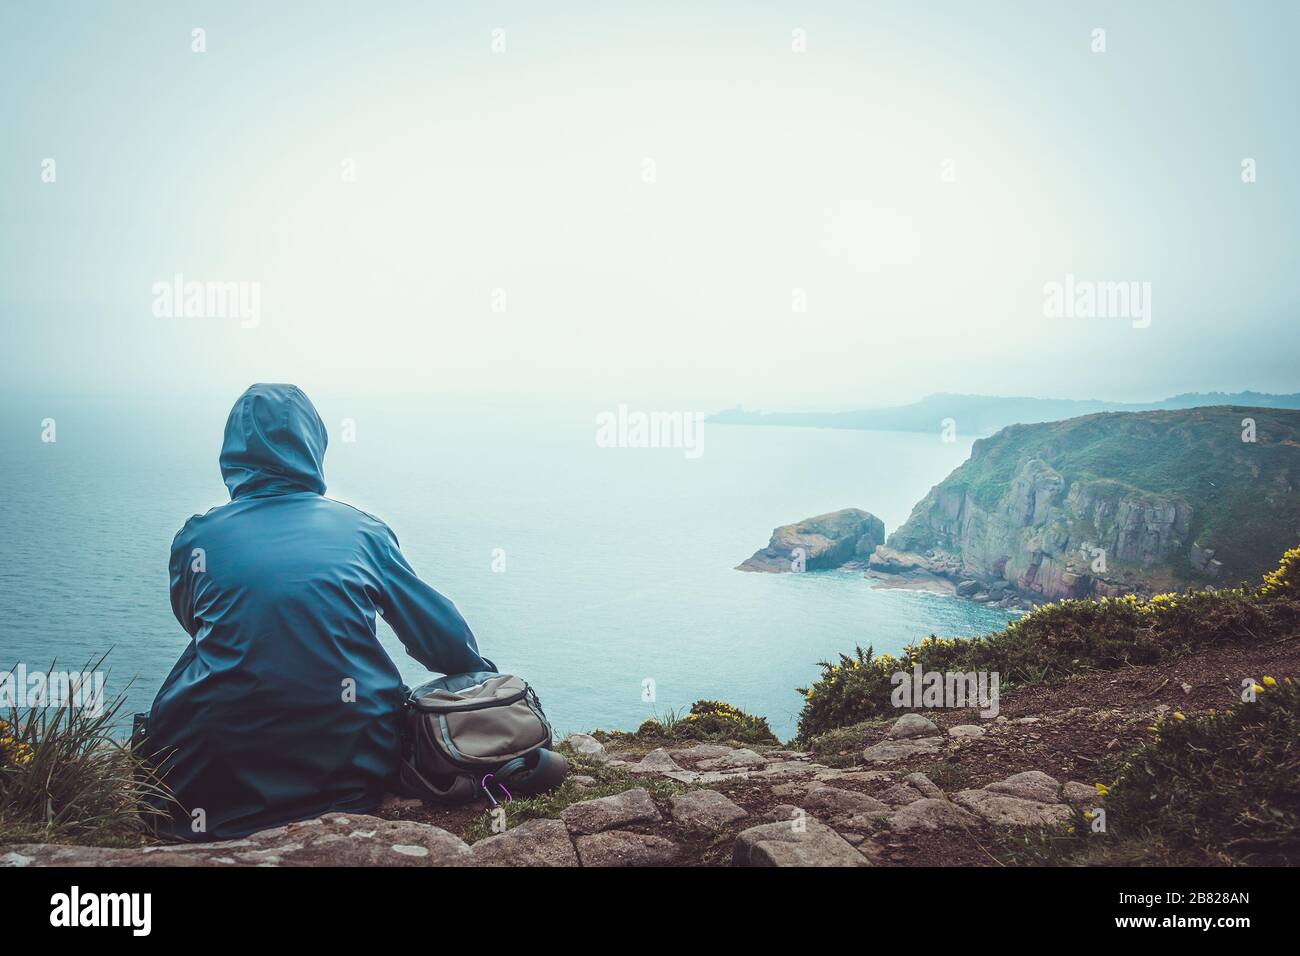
column 1285, row 581
column 1061, row 639
column 708, row 720
column 1223, row 788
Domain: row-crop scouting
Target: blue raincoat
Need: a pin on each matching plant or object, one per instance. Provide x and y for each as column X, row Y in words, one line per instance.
column 285, row 705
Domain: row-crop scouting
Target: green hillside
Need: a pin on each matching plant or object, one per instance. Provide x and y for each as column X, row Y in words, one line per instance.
column 1243, row 495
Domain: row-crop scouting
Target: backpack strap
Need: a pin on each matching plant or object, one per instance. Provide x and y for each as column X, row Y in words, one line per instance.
column 461, row 790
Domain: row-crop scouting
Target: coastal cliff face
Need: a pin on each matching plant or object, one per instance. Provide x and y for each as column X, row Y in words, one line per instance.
column 826, row 541
column 1110, row 504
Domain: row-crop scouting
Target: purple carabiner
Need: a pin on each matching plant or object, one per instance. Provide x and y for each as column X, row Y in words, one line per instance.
column 483, row 786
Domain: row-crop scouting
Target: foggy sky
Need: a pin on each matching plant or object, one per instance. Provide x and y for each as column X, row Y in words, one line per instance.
column 517, row 178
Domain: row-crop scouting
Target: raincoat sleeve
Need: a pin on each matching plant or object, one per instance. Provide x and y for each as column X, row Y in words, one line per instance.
column 426, row 622
column 181, row 579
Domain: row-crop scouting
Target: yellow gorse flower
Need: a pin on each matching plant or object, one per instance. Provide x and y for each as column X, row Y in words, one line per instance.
column 13, row 750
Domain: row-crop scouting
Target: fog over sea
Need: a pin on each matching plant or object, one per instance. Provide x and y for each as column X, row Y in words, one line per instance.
column 618, row 563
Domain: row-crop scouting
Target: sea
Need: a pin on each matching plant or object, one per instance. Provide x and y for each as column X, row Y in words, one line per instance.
column 602, row 575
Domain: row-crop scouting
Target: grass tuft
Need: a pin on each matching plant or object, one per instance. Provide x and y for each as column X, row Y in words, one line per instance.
column 65, row 778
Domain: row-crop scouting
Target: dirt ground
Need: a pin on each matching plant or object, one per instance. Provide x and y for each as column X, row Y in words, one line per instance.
column 1076, row 730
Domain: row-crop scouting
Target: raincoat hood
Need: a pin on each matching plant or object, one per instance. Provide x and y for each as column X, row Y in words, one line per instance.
column 274, row 445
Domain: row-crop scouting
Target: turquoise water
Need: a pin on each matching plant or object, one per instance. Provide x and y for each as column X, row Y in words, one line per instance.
column 618, row 562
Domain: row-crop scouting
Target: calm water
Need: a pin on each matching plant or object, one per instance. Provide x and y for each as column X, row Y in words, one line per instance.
column 618, row 562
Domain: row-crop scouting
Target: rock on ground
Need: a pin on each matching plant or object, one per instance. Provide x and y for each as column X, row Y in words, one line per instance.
column 966, row 730
column 531, row 843
column 705, row 808
column 786, row 768
column 336, row 839
column 912, row 725
column 1030, row 785
column 915, row 786
column 744, row 757
column 1004, row 810
column 846, row 808
column 588, row 746
column 930, row 813
column 782, row 755
column 855, row 776
column 1080, row 795
column 624, row 848
column 703, row 752
column 888, row 750
column 605, row 813
column 785, row 813
column 805, row 842
column 656, row 761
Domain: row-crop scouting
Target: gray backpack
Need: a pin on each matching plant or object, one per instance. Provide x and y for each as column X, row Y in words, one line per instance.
column 477, row 734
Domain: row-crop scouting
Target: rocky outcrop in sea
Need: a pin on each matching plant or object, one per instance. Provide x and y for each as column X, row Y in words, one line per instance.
column 826, row 541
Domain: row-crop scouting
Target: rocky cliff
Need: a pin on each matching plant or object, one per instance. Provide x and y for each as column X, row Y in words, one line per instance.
column 1111, row 504
column 826, row 541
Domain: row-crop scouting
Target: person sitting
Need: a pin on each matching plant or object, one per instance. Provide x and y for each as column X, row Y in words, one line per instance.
column 284, row 705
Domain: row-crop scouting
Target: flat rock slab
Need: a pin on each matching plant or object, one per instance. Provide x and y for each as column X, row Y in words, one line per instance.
column 683, row 776
column 336, row 839
column 786, row 768
column 736, row 759
column 721, row 776
column 606, row 813
column 531, row 843
column 929, row 813
column 707, row 809
column 656, row 761
column 624, row 848
column 1008, row 811
column 703, row 752
column 855, row 776
column 912, row 725
column 846, row 808
column 966, row 731
column 888, row 750
column 1030, row 785
column 802, row 842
